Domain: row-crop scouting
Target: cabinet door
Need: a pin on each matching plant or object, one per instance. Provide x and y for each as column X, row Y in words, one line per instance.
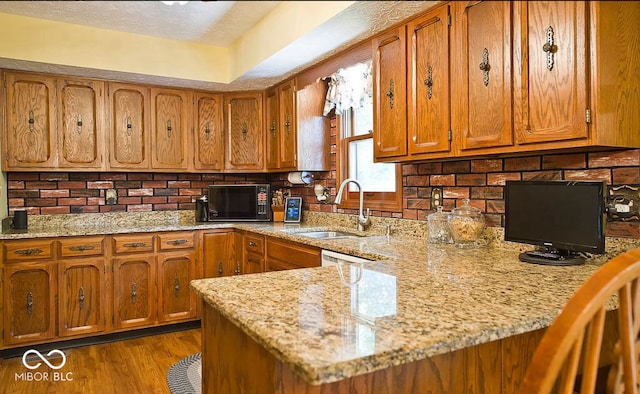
column 552, row 73
column 288, row 132
column 135, row 294
column 209, row 132
column 170, row 128
column 129, row 126
column 218, row 256
column 30, row 135
column 253, row 263
column 313, row 148
column 245, row 134
column 80, row 123
column 484, row 78
column 389, row 98
column 283, row 255
column 272, row 122
column 175, row 271
column 29, row 302
column 82, row 296
column 429, row 115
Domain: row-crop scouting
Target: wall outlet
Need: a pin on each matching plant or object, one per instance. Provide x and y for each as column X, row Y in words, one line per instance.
column 623, row 203
column 436, row 197
column 111, row 197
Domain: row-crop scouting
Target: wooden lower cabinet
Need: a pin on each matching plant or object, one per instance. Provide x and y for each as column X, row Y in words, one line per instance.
column 82, row 296
column 134, row 293
column 29, row 309
column 493, row 367
column 176, row 301
column 219, row 255
column 284, row 255
column 72, row 287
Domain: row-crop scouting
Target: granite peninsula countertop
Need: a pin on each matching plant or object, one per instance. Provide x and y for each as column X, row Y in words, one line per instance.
column 415, row 300
column 430, row 300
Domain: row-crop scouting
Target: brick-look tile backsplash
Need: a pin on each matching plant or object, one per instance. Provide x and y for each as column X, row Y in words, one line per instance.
column 53, row 193
column 480, row 180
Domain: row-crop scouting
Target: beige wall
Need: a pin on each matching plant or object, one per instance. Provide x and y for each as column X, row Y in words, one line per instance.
column 38, row 40
column 284, row 25
column 43, row 41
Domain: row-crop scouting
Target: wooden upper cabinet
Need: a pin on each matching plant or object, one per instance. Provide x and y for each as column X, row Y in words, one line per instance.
column 30, row 134
column 389, row 98
column 170, row 124
column 553, row 90
column 429, row 113
column 80, row 123
column 288, row 123
column 313, row 129
column 209, row 132
column 244, row 131
column 483, row 74
column 297, row 132
column 272, row 123
column 129, row 126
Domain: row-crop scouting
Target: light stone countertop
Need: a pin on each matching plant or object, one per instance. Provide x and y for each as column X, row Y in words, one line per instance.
column 415, row 301
column 427, row 301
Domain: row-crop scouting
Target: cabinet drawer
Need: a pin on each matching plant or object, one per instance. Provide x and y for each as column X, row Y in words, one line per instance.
column 254, row 243
column 28, row 250
column 132, row 243
column 85, row 246
column 180, row 240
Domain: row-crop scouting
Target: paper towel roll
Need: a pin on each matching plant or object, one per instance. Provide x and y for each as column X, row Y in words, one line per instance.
column 300, row 178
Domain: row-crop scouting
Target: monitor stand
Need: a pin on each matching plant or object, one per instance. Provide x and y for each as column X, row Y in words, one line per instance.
column 548, row 256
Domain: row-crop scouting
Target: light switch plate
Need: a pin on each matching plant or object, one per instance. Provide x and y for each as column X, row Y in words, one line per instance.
column 111, row 197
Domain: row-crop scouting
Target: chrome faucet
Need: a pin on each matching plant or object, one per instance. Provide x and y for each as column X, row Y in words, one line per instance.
column 363, row 221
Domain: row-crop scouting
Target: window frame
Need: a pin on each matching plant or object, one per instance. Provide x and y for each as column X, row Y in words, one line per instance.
column 376, row 201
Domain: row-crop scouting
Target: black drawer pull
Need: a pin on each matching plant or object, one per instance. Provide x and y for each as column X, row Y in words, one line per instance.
column 28, row 252
column 178, row 242
column 135, row 245
column 82, row 248
column 251, row 243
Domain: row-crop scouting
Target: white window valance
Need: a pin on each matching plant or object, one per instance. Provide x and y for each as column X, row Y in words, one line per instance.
column 350, row 87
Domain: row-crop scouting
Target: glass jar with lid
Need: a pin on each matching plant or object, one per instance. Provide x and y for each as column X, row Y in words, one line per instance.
column 466, row 224
column 438, row 227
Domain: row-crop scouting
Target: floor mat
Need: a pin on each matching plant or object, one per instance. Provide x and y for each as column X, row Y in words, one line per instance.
column 185, row 376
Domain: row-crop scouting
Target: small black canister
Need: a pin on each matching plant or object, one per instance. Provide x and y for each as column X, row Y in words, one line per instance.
column 202, row 209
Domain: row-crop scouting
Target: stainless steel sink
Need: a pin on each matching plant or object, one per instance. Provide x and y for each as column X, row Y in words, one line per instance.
column 327, row 234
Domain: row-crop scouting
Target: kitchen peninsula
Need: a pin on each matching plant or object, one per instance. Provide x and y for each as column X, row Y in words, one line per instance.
column 434, row 318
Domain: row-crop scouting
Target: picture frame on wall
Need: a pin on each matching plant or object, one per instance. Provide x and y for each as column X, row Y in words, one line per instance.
column 292, row 209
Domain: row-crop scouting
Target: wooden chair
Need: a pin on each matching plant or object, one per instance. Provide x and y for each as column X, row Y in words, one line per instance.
column 575, row 337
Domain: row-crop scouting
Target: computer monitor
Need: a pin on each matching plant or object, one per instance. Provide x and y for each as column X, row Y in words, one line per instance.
column 562, row 218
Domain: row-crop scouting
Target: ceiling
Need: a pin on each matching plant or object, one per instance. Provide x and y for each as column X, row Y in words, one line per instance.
column 214, row 23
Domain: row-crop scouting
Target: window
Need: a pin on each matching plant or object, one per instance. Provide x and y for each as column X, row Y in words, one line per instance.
column 350, row 93
column 381, row 182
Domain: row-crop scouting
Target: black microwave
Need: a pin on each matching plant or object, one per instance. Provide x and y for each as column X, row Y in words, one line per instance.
column 228, row 203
